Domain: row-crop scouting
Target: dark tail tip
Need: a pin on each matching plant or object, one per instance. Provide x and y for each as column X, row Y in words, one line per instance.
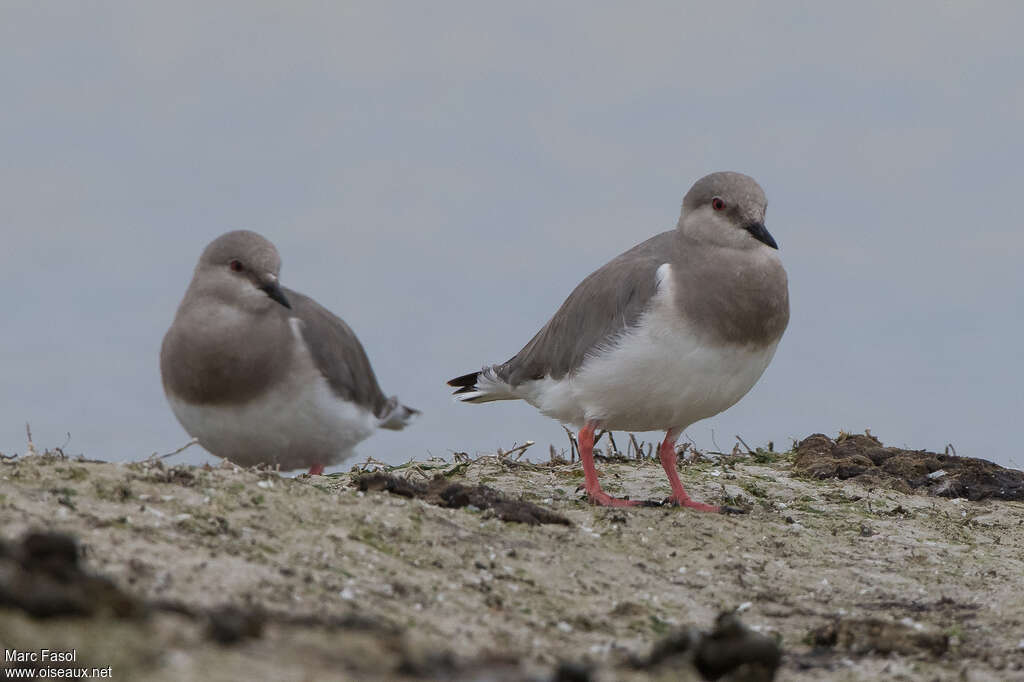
column 394, row 415
column 465, row 381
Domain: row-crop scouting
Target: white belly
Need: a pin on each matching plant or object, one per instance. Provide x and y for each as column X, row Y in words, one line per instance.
column 299, row 424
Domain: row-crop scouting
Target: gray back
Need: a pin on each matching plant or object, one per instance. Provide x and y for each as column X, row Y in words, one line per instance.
column 604, row 305
column 338, row 354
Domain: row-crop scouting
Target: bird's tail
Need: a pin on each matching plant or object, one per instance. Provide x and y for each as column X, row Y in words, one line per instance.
column 481, row 387
column 395, row 415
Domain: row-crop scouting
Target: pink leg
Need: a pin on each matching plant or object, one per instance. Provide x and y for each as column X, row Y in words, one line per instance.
column 593, row 487
column 667, row 455
column 316, row 470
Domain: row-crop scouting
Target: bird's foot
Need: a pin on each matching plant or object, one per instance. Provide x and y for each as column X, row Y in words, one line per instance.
column 316, row 470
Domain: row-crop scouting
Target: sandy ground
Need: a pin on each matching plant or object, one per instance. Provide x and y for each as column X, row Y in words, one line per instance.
column 327, row 582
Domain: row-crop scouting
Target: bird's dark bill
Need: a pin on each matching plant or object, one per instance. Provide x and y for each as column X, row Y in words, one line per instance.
column 274, row 292
column 761, row 234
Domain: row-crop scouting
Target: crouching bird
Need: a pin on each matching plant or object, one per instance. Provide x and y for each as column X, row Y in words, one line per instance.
column 260, row 374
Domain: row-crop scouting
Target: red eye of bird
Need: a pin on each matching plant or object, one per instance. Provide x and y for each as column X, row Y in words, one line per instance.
column 236, row 265
column 717, row 204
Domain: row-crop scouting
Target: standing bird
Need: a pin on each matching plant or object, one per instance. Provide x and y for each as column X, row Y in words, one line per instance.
column 674, row 330
column 260, row 374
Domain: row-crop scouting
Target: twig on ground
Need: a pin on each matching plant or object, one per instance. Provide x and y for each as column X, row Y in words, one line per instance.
column 574, row 450
column 371, row 462
column 184, row 447
column 30, row 448
column 749, row 450
column 636, row 447
column 555, row 456
column 611, row 439
column 695, row 452
column 516, row 449
column 417, row 469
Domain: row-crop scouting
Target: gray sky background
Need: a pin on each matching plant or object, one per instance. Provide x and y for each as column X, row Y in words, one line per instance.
column 442, row 174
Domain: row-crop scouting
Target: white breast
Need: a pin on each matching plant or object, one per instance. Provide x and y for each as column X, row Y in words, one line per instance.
column 657, row 376
column 299, row 423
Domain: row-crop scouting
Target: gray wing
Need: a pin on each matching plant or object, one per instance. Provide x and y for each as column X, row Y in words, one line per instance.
column 605, row 304
column 338, row 354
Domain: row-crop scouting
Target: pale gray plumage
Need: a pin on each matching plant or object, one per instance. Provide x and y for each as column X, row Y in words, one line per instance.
column 727, row 305
column 263, row 374
column 674, row 330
